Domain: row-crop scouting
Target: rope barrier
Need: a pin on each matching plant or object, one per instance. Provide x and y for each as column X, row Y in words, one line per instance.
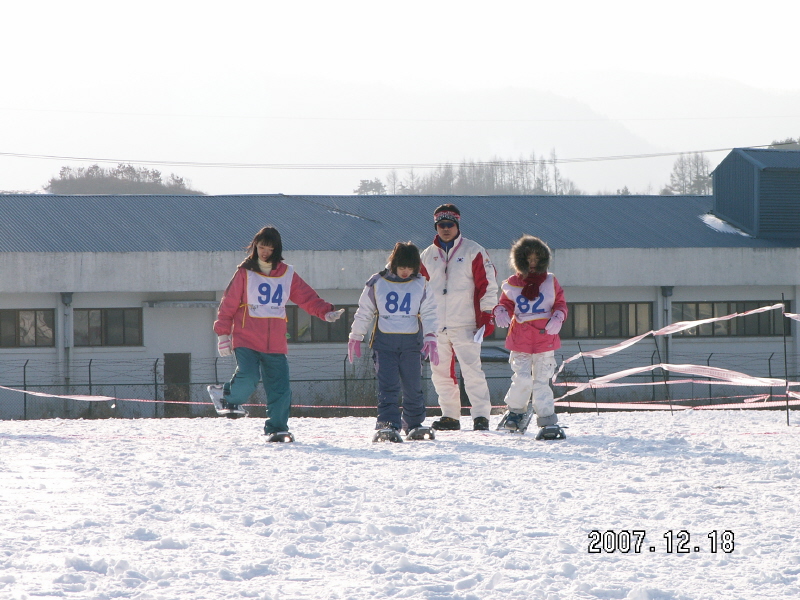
column 716, row 375
column 87, row 398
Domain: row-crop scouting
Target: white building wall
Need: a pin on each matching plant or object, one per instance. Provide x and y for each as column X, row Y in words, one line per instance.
column 347, row 270
column 677, row 266
column 30, row 280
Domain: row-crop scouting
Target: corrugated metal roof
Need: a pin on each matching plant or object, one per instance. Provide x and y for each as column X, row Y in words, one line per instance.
column 771, row 159
column 49, row 223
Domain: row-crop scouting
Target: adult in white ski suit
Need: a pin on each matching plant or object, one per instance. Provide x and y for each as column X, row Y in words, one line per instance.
column 463, row 281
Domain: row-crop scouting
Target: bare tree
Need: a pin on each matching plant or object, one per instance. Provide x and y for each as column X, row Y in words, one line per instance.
column 690, row 176
column 370, row 188
column 393, row 181
column 787, row 144
column 538, row 176
column 122, row 179
column 700, row 168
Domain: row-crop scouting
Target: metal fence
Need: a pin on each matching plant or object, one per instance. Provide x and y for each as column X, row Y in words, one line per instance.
column 331, row 387
column 311, row 398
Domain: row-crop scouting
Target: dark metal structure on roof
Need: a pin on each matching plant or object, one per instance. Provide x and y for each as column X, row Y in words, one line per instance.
column 49, row 223
column 759, row 191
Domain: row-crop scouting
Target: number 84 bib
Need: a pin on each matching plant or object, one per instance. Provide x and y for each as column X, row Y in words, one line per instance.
column 398, row 304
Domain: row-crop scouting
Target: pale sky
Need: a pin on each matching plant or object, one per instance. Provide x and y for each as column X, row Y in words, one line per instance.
column 371, row 83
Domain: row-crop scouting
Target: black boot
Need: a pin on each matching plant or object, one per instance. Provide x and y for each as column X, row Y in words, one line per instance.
column 447, row 424
column 480, row 424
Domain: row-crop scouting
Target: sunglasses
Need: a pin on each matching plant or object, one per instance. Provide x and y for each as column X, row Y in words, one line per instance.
column 445, row 224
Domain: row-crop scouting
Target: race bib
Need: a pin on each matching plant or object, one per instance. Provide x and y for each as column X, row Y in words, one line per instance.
column 398, row 304
column 540, row 307
column 267, row 296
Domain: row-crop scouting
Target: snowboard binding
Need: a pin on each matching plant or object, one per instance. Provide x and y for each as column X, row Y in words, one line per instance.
column 421, row 433
column 516, row 422
column 280, row 436
column 387, row 433
column 232, row 411
column 551, row 432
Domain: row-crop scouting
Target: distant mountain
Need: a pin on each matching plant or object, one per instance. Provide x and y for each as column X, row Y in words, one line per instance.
column 688, row 113
column 377, row 124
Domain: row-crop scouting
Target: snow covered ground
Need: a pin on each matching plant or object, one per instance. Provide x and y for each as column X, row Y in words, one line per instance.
column 205, row 509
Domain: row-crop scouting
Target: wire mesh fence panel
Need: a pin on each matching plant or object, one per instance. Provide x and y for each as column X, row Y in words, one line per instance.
column 329, row 386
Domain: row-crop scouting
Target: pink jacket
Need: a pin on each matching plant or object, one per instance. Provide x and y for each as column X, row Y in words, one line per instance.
column 263, row 335
column 526, row 334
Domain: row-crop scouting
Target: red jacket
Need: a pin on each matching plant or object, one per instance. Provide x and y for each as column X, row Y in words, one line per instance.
column 526, row 334
column 263, row 335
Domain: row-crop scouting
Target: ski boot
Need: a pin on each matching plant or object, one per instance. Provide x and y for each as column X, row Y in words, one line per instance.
column 223, row 408
column 551, row 432
column 447, row 424
column 421, row 433
column 280, row 436
column 386, row 432
column 512, row 421
column 515, row 422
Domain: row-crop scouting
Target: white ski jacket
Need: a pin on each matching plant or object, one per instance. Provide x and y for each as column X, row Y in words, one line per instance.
column 400, row 305
column 463, row 282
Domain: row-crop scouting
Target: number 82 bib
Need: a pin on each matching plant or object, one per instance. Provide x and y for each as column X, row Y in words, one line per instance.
column 539, row 308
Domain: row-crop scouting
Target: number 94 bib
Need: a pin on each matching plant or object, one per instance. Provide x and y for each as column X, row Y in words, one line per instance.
column 267, row 296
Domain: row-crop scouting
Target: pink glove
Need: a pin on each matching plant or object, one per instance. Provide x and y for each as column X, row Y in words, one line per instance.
column 224, row 345
column 353, row 349
column 430, row 350
column 333, row 315
column 501, row 316
column 554, row 324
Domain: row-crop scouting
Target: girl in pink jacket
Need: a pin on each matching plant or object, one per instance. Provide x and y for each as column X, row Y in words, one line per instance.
column 251, row 323
column 532, row 304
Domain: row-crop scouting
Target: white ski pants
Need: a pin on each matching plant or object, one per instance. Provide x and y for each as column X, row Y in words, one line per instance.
column 459, row 343
column 532, row 373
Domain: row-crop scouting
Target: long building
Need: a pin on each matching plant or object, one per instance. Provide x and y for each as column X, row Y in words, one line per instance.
column 119, row 290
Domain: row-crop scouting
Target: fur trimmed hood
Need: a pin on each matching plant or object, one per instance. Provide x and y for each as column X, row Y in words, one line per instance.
column 523, row 247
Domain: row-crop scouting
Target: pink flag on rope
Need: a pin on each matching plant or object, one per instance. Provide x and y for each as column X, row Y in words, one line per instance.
column 683, row 325
column 669, row 329
column 602, row 352
column 721, row 375
column 772, row 404
column 74, row 397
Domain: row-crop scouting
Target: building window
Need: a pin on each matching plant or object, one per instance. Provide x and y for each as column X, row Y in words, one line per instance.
column 303, row 328
column 27, row 328
column 607, row 320
column 107, row 326
column 768, row 323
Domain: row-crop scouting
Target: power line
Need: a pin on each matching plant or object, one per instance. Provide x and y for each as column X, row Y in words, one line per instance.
column 363, row 166
column 397, row 119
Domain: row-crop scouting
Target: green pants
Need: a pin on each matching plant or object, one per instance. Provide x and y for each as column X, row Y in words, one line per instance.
column 273, row 370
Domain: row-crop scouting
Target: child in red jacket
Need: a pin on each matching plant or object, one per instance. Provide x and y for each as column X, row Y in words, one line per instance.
column 251, row 323
column 532, row 304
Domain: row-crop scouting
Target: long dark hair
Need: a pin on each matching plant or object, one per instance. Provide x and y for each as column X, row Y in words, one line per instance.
column 405, row 254
column 268, row 236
